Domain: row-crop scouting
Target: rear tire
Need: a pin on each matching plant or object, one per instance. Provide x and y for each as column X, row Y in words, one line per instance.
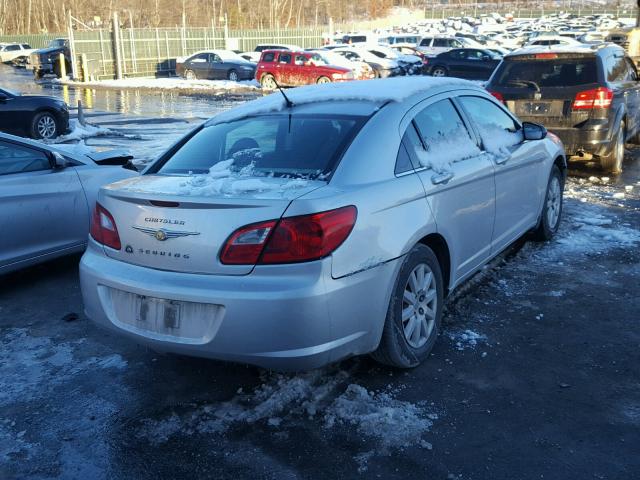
column 322, row 80
column 268, row 82
column 415, row 311
column 439, row 72
column 613, row 161
column 190, row 75
column 233, row 76
column 552, row 207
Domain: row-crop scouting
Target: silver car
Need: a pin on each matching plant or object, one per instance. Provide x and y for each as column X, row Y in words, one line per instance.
column 290, row 233
column 47, row 195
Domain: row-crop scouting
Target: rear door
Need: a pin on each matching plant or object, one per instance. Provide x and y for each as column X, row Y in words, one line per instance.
column 461, row 194
column 199, row 65
column 42, row 210
column 285, row 69
column 518, row 165
column 217, row 68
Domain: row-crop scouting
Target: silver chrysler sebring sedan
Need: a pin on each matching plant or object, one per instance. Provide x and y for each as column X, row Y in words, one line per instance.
column 320, row 223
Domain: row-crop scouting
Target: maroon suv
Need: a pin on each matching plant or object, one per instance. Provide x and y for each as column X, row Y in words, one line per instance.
column 292, row 69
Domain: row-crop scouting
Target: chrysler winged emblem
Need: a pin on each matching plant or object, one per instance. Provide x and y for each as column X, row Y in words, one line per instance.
column 161, row 234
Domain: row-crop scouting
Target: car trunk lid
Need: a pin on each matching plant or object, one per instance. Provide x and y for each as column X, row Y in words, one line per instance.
column 171, row 223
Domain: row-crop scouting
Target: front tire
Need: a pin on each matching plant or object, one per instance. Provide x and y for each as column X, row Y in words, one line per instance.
column 613, row 161
column 415, row 311
column 44, row 125
column 552, row 208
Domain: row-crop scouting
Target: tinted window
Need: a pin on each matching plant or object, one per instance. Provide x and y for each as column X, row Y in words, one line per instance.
column 17, row 159
column 426, row 42
column 548, row 73
column 440, row 42
column 616, row 67
column 284, row 58
column 632, row 72
column 26, row 46
column 486, row 113
column 12, row 48
column 274, row 144
column 268, row 57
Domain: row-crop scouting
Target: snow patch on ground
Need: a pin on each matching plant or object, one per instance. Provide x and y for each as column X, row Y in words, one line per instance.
column 80, row 132
column 466, row 339
column 32, row 366
column 12, row 442
column 222, row 86
column 284, row 400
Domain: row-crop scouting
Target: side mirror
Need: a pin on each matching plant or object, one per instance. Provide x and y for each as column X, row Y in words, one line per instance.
column 533, row 131
column 59, row 162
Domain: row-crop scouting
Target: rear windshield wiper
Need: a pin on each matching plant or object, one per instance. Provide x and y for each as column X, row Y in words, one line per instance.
column 526, row 83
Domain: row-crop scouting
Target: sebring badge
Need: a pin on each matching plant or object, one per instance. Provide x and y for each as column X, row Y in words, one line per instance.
column 161, row 234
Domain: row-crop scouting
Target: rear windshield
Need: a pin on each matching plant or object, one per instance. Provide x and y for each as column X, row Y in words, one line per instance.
column 279, row 145
column 548, row 73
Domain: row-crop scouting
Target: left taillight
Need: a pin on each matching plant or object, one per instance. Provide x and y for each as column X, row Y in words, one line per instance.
column 497, row 95
column 289, row 240
column 104, row 229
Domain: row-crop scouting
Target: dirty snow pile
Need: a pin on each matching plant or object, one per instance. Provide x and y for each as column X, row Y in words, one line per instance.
column 325, row 396
column 445, row 148
column 80, row 132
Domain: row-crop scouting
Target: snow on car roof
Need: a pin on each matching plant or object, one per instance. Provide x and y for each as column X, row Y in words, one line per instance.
column 535, row 49
column 378, row 91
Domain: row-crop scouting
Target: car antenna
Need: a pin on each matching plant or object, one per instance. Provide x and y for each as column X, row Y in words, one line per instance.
column 286, row 99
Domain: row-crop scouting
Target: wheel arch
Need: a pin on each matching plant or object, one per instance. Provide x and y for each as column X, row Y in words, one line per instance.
column 440, row 248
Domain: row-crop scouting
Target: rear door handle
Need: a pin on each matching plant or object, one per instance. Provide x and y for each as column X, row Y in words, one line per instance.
column 439, row 178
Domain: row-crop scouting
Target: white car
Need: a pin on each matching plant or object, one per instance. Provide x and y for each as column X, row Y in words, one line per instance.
column 433, row 45
column 550, row 40
column 361, row 70
column 257, row 52
column 383, row 67
column 11, row 51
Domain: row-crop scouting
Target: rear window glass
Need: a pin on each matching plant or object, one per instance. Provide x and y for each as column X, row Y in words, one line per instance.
column 548, row 73
column 279, row 145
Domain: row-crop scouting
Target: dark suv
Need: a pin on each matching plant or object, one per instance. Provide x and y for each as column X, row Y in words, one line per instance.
column 46, row 60
column 589, row 96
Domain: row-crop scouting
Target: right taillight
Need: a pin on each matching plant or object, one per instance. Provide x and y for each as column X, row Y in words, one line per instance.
column 596, row 98
column 497, row 95
column 103, row 228
column 290, row 240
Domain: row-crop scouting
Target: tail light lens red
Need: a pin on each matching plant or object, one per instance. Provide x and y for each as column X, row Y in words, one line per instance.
column 497, row 95
column 104, row 229
column 290, row 240
column 596, row 98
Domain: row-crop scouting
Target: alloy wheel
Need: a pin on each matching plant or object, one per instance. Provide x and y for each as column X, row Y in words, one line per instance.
column 554, row 202
column 233, row 76
column 419, row 306
column 46, row 126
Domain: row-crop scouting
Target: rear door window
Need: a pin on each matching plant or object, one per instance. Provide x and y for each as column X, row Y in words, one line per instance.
column 561, row 72
column 444, row 137
column 284, row 58
column 616, row 67
column 268, row 57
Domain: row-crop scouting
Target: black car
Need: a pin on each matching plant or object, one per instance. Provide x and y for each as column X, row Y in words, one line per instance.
column 47, row 60
column 34, row 116
column 589, row 96
column 470, row 63
column 216, row 65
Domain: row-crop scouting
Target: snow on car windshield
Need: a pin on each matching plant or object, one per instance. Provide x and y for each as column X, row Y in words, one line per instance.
column 277, row 145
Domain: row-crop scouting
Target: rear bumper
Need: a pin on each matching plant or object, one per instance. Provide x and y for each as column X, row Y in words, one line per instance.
column 287, row 317
column 590, row 139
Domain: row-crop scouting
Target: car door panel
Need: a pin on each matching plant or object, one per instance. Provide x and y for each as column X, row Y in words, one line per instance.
column 463, row 204
column 519, row 182
column 42, row 211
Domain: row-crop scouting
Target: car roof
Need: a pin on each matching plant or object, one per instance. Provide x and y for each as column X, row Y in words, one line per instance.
column 564, row 49
column 363, row 96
